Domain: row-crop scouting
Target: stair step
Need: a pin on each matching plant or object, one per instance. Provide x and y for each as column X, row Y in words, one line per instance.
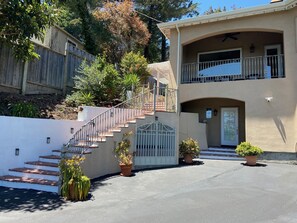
column 42, row 165
column 35, row 173
column 218, row 153
column 29, row 183
column 115, row 130
column 28, row 180
column 85, row 145
column 74, row 152
column 221, row 149
column 220, row 157
column 54, row 157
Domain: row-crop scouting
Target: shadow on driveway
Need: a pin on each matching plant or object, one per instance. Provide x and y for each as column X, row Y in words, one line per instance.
column 29, row 200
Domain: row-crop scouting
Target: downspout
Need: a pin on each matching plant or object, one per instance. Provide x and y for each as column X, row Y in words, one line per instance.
column 178, row 57
column 178, row 68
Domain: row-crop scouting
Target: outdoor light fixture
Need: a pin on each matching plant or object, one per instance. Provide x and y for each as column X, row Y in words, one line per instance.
column 17, row 151
column 71, row 130
column 215, row 112
column 252, row 48
column 48, row 140
column 268, row 99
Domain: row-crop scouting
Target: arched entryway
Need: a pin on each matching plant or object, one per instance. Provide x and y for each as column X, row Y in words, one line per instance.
column 224, row 119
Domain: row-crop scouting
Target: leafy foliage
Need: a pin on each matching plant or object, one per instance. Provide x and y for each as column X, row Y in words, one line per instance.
column 212, row 10
column 135, row 63
column 22, row 20
column 128, row 32
column 189, row 146
column 75, row 186
column 98, row 81
column 131, row 82
column 122, row 150
column 80, row 98
column 23, row 109
column 247, row 149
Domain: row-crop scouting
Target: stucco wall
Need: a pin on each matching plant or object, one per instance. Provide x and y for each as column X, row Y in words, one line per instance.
column 271, row 126
column 191, row 127
column 29, row 135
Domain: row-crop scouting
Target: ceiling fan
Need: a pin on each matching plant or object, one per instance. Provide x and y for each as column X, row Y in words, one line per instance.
column 230, row 36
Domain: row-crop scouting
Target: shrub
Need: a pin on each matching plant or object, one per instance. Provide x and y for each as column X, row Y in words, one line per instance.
column 122, row 150
column 24, row 109
column 80, row 98
column 135, row 63
column 98, row 81
column 75, row 186
column 247, row 149
column 189, row 146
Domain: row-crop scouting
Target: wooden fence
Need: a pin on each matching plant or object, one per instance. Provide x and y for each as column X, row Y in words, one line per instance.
column 52, row 73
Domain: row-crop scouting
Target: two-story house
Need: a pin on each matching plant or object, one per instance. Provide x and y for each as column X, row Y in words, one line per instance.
column 238, row 71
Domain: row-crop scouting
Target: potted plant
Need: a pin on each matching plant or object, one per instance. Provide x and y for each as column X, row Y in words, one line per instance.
column 75, row 185
column 189, row 149
column 124, row 156
column 250, row 152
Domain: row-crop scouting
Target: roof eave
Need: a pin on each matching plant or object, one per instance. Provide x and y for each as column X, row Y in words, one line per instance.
column 239, row 13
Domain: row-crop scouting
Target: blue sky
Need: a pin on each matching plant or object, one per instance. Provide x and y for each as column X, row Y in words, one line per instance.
column 205, row 4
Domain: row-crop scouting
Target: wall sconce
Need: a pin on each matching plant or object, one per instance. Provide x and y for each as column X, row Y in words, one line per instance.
column 252, row 48
column 268, row 99
column 215, row 112
column 17, row 151
column 48, row 140
column 71, row 130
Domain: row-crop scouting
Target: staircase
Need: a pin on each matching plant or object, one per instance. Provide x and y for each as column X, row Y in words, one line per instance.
column 43, row 174
column 219, row 154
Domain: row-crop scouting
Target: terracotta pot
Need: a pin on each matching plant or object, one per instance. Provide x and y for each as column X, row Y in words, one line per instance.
column 126, row 170
column 188, row 158
column 251, row 160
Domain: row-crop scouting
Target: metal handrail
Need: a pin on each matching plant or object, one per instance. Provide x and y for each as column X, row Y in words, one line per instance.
column 103, row 124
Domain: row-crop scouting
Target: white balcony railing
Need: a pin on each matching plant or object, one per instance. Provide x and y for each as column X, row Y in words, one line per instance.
column 262, row 67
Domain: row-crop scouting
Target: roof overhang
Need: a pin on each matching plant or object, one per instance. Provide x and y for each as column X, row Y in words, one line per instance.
column 238, row 13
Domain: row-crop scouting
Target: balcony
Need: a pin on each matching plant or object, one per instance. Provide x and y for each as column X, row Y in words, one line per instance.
column 249, row 68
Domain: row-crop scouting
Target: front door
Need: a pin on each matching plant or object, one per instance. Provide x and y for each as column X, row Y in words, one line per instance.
column 229, row 126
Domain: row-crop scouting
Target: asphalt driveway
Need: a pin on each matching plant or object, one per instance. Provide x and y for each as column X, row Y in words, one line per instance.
column 216, row 191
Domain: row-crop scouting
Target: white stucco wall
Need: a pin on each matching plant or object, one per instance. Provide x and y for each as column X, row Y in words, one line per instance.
column 29, row 135
column 89, row 112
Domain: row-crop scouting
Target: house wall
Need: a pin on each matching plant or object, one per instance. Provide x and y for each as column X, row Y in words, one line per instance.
column 214, row 124
column 191, row 127
column 245, row 39
column 29, row 135
column 56, row 38
column 272, row 125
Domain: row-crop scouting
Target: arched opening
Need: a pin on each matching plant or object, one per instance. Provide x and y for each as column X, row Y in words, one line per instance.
column 224, row 119
column 234, row 56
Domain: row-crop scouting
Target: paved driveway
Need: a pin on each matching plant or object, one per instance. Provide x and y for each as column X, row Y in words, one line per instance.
column 217, row 191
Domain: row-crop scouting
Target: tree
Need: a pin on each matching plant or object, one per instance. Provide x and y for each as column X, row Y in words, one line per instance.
column 162, row 10
column 128, row 32
column 22, row 20
column 216, row 10
column 77, row 18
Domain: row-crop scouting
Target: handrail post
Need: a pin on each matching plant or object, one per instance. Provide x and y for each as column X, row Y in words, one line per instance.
column 155, row 97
